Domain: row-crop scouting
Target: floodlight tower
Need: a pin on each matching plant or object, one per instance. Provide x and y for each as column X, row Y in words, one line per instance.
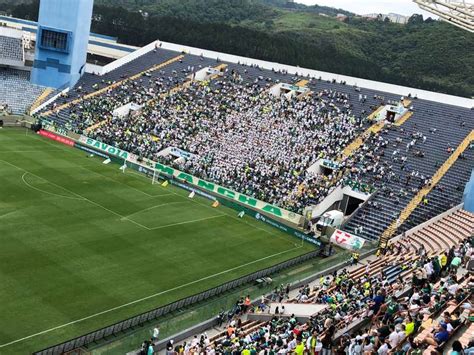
column 61, row 42
column 460, row 13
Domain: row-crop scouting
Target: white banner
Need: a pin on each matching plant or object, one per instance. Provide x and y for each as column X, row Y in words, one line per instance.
column 346, row 240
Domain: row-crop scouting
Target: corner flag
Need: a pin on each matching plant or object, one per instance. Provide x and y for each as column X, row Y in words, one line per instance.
column 191, row 195
column 241, row 214
column 165, row 183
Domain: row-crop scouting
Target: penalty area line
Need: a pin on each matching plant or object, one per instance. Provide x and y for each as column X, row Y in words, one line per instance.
column 187, row 222
column 152, row 207
column 145, row 298
column 23, row 177
column 80, row 197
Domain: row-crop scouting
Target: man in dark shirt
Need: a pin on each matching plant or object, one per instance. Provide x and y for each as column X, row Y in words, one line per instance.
column 439, row 337
column 384, row 331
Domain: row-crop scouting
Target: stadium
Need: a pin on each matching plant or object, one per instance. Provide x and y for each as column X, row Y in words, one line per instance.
column 170, row 199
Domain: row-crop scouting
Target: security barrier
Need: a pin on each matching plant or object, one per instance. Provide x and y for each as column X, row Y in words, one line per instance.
column 141, row 319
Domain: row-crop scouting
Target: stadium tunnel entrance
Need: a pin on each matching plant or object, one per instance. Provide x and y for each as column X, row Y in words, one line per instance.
column 338, row 206
column 350, row 204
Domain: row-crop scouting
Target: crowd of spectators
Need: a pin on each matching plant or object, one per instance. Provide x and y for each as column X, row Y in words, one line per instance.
column 389, row 316
column 243, row 138
column 240, row 136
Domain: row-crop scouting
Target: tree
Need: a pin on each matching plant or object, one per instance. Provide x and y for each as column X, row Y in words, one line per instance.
column 415, row 19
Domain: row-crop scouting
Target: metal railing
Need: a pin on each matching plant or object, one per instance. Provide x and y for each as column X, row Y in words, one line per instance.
column 143, row 318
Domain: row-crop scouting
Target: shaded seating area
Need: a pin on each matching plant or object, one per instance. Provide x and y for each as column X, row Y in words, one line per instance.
column 16, row 91
column 11, row 49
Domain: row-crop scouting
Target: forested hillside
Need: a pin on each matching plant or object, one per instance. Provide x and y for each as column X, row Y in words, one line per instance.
column 424, row 53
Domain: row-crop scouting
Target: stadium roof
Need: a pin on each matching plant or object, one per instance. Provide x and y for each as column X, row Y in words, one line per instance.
column 102, row 45
column 349, row 80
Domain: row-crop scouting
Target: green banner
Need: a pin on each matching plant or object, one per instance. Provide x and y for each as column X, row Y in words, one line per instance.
column 242, row 199
column 359, row 186
column 230, row 194
column 270, row 221
column 108, row 149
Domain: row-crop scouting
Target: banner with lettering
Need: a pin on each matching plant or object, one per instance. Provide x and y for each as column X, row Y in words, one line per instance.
column 108, row 149
column 234, row 195
column 56, row 137
column 248, row 201
column 346, row 240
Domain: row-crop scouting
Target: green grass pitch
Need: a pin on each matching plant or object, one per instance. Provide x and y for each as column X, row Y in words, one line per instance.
column 83, row 245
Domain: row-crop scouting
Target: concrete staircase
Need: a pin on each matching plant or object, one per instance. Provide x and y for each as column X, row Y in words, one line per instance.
column 116, row 84
column 422, row 193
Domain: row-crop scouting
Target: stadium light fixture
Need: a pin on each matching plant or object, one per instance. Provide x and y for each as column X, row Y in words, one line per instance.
column 460, row 13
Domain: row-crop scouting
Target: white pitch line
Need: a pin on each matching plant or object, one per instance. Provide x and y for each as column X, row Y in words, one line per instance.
column 118, row 182
column 130, row 171
column 118, row 214
column 223, row 213
column 76, row 194
column 46, row 192
column 152, row 207
column 64, row 149
column 186, row 222
column 7, row 214
column 146, row 298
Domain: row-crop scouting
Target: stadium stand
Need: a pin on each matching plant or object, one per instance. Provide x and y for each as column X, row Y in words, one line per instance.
column 246, row 76
column 413, row 166
column 416, row 147
column 16, row 92
column 11, row 48
column 371, row 311
column 414, row 296
column 433, row 238
column 447, row 193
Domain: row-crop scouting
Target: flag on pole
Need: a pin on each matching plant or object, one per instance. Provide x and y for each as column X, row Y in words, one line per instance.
column 191, row 195
column 165, row 183
column 215, row 204
column 106, row 161
column 241, row 214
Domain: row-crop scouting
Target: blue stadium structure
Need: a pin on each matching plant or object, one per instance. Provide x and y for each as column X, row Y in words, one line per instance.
column 62, row 38
column 468, row 197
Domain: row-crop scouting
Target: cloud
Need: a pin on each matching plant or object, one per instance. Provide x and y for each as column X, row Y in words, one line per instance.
column 362, row 7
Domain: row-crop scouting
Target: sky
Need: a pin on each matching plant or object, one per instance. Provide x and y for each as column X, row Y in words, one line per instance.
column 362, row 7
